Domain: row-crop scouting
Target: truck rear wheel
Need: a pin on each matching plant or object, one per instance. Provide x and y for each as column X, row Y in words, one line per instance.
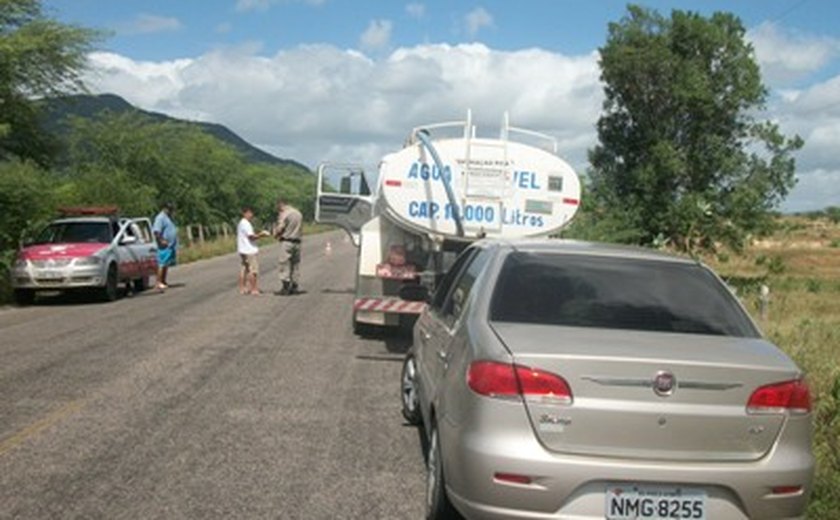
column 24, row 297
column 364, row 329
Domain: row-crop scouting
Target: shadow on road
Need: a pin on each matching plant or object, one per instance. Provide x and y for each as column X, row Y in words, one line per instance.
column 349, row 290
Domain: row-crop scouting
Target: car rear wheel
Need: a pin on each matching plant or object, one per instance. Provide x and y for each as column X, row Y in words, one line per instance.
column 438, row 506
column 109, row 293
column 141, row 284
column 24, row 297
column 408, row 387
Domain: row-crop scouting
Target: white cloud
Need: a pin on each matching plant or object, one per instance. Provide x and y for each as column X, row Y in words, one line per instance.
column 415, row 10
column 149, row 23
column 816, row 189
column 814, row 114
column 785, row 55
column 377, row 35
column 224, row 28
column 476, row 20
column 263, row 5
column 314, row 103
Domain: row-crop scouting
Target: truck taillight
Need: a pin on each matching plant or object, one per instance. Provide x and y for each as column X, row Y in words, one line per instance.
column 504, row 380
column 788, row 396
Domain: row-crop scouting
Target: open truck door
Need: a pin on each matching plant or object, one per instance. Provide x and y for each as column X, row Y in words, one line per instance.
column 344, row 198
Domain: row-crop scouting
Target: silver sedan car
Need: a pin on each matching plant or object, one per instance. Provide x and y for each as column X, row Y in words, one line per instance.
column 559, row 379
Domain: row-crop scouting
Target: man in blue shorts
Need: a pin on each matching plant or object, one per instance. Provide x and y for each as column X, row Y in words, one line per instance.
column 166, row 235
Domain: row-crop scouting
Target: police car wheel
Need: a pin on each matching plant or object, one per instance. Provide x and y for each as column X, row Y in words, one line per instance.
column 24, row 297
column 141, row 284
column 109, row 293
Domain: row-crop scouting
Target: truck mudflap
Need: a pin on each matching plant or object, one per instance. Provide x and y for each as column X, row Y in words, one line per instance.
column 389, row 305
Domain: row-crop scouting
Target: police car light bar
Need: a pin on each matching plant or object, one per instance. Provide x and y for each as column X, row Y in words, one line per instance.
column 89, row 211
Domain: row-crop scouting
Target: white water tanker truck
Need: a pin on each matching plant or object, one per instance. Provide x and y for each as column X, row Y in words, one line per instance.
column 432, row 199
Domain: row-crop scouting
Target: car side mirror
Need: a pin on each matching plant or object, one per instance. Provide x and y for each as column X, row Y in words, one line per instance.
column 128, row 240
column 414, row 293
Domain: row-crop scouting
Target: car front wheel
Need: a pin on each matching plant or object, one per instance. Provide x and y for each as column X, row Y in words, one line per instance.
column 109, row 293
column 24, row 297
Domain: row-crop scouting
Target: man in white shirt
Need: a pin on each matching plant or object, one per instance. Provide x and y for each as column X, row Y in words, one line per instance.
column 246, row 246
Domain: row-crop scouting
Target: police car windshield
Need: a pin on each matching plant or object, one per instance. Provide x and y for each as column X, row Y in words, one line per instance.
column 616, row 293
column 75, row 232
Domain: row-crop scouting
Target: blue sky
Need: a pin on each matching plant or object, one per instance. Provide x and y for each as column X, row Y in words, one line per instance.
column 361, row 74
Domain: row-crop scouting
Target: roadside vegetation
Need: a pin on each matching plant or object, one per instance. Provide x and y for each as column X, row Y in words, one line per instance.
column 685, row 163
column 800, row 264
column 223, row 246
column 128, row 160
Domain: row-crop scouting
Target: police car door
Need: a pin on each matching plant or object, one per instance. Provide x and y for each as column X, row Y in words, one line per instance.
column 344, row 197
column 146, row 247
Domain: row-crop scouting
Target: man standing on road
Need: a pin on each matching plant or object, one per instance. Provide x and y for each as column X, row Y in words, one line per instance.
column 166, row 235
column 248, row 250
column 288, row 231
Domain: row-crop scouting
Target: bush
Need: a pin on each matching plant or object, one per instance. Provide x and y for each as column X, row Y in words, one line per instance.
column 776, row 265
column 813, row 285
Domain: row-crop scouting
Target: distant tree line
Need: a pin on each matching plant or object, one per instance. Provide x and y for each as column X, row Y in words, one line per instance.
column 134, row 163
column 127, row 159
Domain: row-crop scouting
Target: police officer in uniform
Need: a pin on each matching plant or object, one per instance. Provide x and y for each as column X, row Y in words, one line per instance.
column 288, row 231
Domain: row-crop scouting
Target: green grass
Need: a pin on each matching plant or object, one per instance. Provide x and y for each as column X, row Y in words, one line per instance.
column 803, row 319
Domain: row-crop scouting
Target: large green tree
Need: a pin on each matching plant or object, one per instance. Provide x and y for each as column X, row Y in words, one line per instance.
column 39, row 57
column 135, row 162
column 682, row 157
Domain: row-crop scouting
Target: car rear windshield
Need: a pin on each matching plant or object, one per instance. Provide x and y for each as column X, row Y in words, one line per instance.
column 75, row 232
column 616, row 293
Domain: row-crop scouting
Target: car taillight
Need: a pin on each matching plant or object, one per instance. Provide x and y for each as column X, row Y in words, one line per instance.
column 789, row 396
column 504, row 380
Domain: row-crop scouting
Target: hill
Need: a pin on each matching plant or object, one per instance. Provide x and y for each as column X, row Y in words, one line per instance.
column 55, row 111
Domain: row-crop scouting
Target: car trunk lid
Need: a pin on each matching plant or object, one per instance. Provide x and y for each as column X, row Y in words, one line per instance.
column 652, row 395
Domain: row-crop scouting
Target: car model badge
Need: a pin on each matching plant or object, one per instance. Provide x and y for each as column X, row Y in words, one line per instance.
column 664, row 383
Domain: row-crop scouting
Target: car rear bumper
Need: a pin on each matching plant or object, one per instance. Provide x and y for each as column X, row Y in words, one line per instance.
column 565, row 486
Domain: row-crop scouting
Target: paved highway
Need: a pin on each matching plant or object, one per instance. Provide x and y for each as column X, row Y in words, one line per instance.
column 202, row 403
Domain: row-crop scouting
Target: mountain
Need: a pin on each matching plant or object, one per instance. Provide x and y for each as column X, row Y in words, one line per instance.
column 88, row 106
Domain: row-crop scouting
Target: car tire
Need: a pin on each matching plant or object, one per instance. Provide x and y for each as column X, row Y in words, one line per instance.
column 408, row 391
column 438, row 506
column 141, row 284
column 24, row 297
column 364, row 329
column 110, row 291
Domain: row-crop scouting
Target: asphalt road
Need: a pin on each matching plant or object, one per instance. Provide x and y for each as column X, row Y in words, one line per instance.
column 202, row 403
